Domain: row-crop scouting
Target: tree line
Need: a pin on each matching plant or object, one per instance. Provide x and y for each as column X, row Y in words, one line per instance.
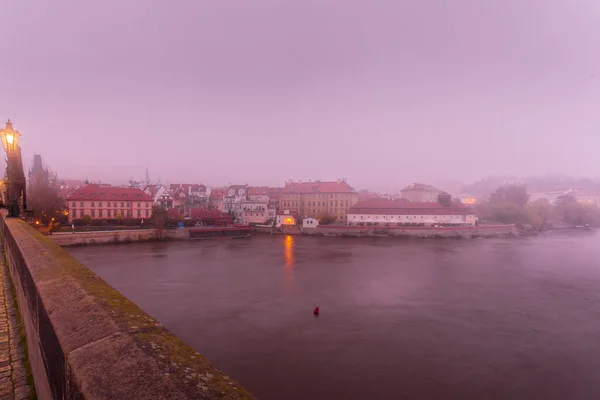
column 510, row 205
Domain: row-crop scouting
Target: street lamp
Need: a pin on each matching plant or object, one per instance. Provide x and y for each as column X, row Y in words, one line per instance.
column 10, row 137
column 14, row 170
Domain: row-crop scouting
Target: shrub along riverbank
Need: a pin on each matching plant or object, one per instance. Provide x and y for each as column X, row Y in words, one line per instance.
column 509, row 205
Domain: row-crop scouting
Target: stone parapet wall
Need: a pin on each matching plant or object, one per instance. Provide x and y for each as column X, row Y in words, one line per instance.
column 98, row 237
column 87, row 341
column 424, row 232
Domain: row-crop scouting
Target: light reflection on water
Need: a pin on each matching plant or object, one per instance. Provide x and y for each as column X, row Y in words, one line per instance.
column 288, row 253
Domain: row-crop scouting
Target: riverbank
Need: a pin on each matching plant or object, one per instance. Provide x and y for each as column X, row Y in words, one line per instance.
column 419, row 232
column 147, row 235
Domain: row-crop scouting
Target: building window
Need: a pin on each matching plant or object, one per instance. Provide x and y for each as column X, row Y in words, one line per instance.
column 74, row 204
column 80, row 213
column 93, row 204
column 99, row 204
column 107, row 213
column 93, row 213
column 81, row 204
column 100, row 213
column 147, row 204
column 139, row 213
column 115, row 204
column 139, row 205
column 122, row 204
column 128, row 204
column 128, row 213
column 147, row 213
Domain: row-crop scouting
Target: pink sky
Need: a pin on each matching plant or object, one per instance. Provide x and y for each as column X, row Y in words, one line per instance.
column 380, row 92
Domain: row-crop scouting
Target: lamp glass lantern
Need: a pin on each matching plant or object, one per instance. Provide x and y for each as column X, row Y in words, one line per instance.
column 10, row 137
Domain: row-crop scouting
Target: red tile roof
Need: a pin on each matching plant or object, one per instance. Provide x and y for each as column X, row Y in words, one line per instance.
column 275, row 193
column 218, row 193
column 400, row 207
column 318, row 187
column 258, row 190
column 98, row 192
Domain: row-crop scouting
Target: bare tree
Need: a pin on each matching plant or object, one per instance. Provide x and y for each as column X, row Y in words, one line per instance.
column 44, row 198
column 159, row 220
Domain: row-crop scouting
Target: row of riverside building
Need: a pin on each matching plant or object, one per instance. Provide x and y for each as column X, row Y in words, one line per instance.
column 336, row 201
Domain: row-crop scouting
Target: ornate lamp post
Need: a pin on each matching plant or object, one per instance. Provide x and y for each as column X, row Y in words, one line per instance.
column 14, row 170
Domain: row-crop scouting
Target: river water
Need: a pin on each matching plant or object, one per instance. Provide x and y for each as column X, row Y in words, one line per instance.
column 513, row 318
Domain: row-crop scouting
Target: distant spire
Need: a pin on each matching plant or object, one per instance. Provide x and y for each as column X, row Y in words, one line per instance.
column 147, row 176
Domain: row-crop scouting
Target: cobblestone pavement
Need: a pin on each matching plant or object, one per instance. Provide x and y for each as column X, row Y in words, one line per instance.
column 14, row 372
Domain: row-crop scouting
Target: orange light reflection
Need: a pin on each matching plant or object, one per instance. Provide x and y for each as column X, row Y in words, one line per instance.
column 289, row 252
column 288, row 255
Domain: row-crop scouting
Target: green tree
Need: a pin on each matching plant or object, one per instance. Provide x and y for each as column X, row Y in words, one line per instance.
column 579, row 214
column 509, row 213
column 510, row 194
column 86, row 219
column 118, row 217
column 540, row 213
column 326, row 220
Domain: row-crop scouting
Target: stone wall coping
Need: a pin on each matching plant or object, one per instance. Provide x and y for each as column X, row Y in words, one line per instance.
column 96, row 232
column 112, row 349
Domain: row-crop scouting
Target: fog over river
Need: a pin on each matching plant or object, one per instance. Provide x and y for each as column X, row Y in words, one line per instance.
column 510, row 318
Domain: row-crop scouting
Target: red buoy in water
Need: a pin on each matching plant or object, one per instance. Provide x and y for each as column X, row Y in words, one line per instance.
column 316, row 312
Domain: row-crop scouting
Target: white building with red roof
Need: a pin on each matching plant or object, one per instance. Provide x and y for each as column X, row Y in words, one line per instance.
column 403, row 212
column 109, row 202
column 160, row 195
column 233, row 201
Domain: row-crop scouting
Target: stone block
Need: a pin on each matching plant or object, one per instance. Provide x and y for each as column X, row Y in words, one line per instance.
column 115, row 368
column 22, row 392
